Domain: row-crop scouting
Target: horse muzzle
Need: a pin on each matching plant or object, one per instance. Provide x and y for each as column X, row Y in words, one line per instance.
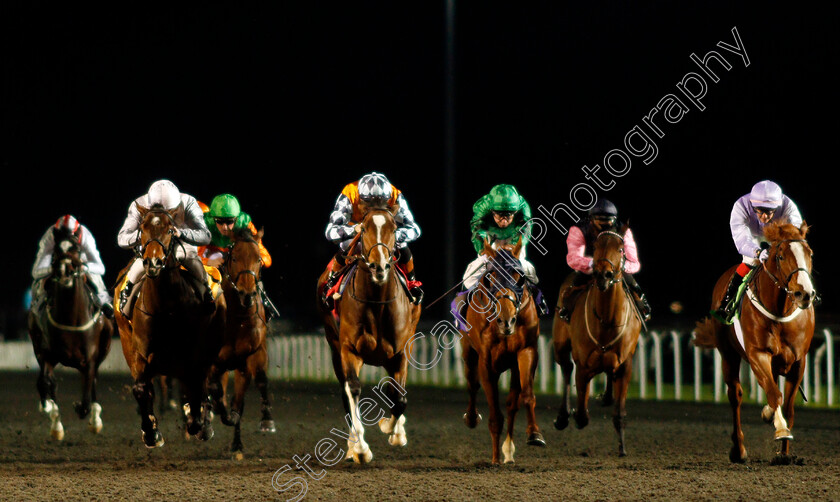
column 506, row 327
column 153, row 266
column 379, row 273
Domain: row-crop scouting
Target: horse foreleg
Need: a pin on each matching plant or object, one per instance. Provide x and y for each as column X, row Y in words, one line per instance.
column 760, row 361
column 620, row 383
column 82, row 408
column 563, row 357
column 258, row 365
column 607, row 399
column 215, row 387
column 144, row 393
column 357, row 449
column 582, row 379
column 46, row 389
column 395, row 397
column 528, row 360
column 792, row 381
column 732, row 375
column 470, row 356
column 242, row 379
column 512, row 404
column 490, row 383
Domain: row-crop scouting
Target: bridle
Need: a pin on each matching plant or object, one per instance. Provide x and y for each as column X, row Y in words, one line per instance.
column 248, row 271
column 364, row 258
column 616, row 270
column 778, row 259
column 168, row 250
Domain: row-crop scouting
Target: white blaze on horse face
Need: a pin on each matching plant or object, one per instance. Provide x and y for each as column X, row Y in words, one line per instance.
column 156, row 220
column 379, row 221
column 65, row 246
column 802, row 278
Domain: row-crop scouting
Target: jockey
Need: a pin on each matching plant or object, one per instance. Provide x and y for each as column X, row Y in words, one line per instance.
column 500, row 216
column 345, row 224
column 92, row 263
column 192, row 233
column 224, row 217
column 602, row 216
column 751, row 213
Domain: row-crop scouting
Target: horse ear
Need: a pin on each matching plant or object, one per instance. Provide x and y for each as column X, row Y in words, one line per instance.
column 803, row 229
column 488, row 248
column 178, row 214
column 395, row 209
column 260, row 233
column 142, row 210
column 624, row 228
column 364, row 207
column 518, row 247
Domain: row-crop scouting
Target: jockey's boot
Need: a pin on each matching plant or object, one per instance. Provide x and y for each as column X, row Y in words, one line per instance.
column 124, row 296
column 270, row 309
column 412, row 283
column 564, row 311
column 539, row 299
column 638, row 296
column 727, row 306
column 107, row 309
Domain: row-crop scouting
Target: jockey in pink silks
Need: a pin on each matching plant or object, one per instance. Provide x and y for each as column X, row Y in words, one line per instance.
column 580, row 243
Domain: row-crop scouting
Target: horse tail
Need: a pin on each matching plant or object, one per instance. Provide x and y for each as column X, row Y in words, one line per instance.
column 706, row 333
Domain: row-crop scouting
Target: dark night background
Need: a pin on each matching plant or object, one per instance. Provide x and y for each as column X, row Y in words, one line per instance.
column 282, row 104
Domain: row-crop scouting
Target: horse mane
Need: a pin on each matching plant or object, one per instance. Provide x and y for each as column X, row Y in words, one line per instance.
column 784, row 231
column 243, row 234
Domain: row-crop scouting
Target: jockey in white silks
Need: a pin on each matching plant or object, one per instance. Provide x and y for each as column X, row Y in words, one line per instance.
column 751, row 213
column 92, row 263
column 191, row 234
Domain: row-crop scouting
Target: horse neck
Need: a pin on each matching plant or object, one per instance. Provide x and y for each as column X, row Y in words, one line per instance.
column 610, row 304
column 167, row 287
column 769, row 294
column 72, row 304
column 366, row 289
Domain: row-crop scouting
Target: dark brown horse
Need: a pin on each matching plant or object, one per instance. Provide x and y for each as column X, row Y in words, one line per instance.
column 69, row 330
column 600, row 337
column 244, row 350
column 169, row 332
column 503, row 335
column 776, row 324
column 377, row 319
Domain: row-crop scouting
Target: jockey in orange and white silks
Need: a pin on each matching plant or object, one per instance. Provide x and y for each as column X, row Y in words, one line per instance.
column 750, row 214
column 192, row 233
column 580, row 242
column 347, row 215
column 92, row 263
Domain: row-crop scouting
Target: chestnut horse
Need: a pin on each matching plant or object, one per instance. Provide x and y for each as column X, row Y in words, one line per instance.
column 776, row 324
column 376, row 320
column 601, row 337
column 503, row 334
column 69, row 329
column 244, row 348
column 169, row 332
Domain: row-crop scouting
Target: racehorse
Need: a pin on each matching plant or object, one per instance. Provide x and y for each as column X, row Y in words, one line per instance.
column 503, row 334
column 776, row 324
column 69, row 330
column 169, row 332
column 601, row 337
column 244, row 349
column 376, row 320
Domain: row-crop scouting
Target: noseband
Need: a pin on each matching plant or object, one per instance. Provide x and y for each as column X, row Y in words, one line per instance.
column 783, row 285
column 616, row 270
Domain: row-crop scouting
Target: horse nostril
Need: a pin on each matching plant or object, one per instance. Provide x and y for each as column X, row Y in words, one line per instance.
column 608, row 275
column 798, row 294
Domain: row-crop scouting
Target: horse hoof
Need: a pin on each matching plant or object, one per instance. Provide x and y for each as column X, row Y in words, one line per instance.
column 561, row 422
column 95, row 428
column 472, row 423
column 206, row 434
column 511, row 461
column 57, row 434
column 581, row 421
column 157, row 442
column 622, row 453
column 767, row 414
column 783, row 434
column 385, row 426
column 267, row 426
column 362, row 459
column 536, row 439
column 238, row 456
column 737, row 455
column 397, row 440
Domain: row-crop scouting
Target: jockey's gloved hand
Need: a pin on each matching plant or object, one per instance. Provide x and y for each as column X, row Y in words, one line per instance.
column 762, row 257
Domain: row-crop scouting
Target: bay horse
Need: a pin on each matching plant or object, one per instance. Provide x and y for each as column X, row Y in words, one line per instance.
column 776, row 324
column 376, row 319
column 600, row 337
column 169, row 333
column 69, row 329
column 244, row 350
column 503, row 333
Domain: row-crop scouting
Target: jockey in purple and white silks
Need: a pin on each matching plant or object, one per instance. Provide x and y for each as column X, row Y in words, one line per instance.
column 92, row 263
column 191, row 234
column 751, row 213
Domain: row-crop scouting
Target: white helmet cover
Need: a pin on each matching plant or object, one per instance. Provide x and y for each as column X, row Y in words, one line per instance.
column 374, row 186
column 766, row 194
column 165, row 193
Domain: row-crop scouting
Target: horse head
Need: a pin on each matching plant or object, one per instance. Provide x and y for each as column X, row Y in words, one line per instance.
column 789, row 262
column 608, row 258
column 379, row 241
column 505, row 280
column 243, row 265
column 157, row 230
column 67, row 261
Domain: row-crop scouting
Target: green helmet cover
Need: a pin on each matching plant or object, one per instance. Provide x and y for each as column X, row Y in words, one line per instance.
column 505, row 198
column 224, row 206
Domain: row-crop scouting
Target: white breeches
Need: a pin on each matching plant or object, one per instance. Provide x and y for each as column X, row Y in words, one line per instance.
column 477, row 267
column 181, row 251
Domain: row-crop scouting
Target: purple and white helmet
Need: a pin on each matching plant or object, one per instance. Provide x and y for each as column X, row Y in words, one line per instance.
column 165, row 193
column 374, row 186
column 766, row 194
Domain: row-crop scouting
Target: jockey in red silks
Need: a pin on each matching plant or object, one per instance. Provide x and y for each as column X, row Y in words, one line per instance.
column 580, row 243
column 345, row 225
column 750, row 214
